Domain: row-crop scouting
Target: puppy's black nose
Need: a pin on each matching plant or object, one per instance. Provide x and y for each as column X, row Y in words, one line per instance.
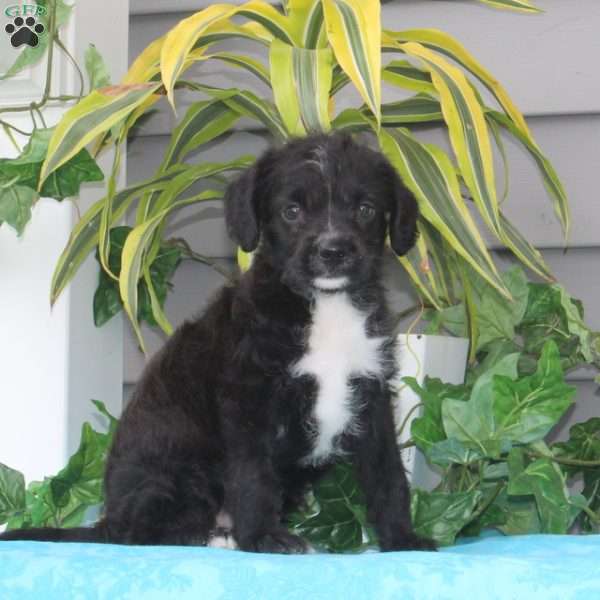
column 335, row 249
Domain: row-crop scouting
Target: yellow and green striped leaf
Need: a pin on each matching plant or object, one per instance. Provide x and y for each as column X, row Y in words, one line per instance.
column 468, row 131
column 413, row 264
column 189, row 176
column 305, row 18
column 161, row 201
column 180, row 41
column 89, row 118
column 549, row 175
column 243, row 62
column 403, row 74
column 352, row 119
column 524, row 251
column 447, row 45
column 132, row 263
column 518, row 5
column 147, row 64
column 418, row 109
column 203, row 122
column 301, row 80
column 354, row 33
column 157, row 310
column 84, row 236
column 428, row 172
column 439, row 260
column 247, row 104
column 272, row 20
column 226, row 30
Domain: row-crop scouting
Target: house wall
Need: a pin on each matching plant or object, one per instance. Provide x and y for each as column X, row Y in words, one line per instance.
column 548, row 63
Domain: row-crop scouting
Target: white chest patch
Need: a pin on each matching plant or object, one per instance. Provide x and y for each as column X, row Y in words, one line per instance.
column 338, row 348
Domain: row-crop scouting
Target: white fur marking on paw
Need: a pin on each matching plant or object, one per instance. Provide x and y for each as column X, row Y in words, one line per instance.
column 338, row 348
column 226, row 542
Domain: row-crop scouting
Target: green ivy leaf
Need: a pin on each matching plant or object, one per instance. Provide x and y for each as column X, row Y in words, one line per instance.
column 15, row 205
column 62, row 500
column 473, row 422
column 427, row 430
column 96, row 69
column 447, row 452
column 496, row 318
column 336, row 518
column 36, row 148
column 12, row 493
column 440, row 516
column 543, row 479
column 62, row 183
column 488, row 358
column 67, row 179
column 525, row 409
column 584, row 444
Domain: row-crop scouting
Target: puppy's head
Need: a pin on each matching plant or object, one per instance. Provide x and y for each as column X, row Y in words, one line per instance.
column 319, row 210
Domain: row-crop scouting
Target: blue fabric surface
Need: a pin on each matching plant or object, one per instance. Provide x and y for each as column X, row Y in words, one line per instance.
column 527, row 567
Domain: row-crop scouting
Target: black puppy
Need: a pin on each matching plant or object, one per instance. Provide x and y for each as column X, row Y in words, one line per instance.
column 286, row 370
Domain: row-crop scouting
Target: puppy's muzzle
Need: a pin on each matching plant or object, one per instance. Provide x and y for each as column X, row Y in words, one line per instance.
column 335, row 255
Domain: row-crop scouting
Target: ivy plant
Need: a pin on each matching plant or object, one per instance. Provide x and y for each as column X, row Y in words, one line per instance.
column 489, row 438
column 60, row 500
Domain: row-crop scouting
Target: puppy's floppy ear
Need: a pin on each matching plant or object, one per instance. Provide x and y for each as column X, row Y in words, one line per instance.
column 404, row 212
column 241, row 210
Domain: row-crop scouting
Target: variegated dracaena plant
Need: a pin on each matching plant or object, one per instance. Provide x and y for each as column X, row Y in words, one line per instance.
column 315, row 48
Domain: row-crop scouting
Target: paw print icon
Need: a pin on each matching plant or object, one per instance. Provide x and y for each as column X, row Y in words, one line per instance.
column 24, row 31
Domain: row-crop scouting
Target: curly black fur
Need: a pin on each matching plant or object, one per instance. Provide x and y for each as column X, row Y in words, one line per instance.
column 220, row 421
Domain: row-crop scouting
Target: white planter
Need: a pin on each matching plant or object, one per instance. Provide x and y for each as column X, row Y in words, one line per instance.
column 54, row 361
column 420, row 355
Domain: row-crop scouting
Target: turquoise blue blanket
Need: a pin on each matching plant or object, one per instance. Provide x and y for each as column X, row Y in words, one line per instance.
column 521, row 568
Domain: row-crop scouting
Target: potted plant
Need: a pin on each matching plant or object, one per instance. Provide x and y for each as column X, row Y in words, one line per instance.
column 315, row 48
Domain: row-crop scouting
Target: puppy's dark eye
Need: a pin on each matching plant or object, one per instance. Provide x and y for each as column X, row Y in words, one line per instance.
column 366, row 211
column 291, row 212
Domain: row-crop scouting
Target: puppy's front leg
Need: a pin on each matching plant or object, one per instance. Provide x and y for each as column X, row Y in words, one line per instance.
column 254, row 500
column 381, row 474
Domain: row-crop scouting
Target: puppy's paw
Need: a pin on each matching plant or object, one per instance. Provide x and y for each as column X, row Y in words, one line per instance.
column 409, row 541
column 279, row 541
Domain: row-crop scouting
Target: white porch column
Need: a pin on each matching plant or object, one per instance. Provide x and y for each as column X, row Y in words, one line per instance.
column 53, row 361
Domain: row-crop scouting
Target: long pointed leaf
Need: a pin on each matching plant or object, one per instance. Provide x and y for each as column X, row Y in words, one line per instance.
column 354, row 32
column 92, row 116
column 529, row 255
column 133, row 252
column 447, row 45
column 467, row 129
column 427, row 171
column 518, row 5
column 243, row 62
column 403, row 74
column 203, row 122
column 180, row 41
column 271, row 19
column 247, row 104
column 84, row 236
column 418, row 109
column 301, row 80
column 549, row 175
